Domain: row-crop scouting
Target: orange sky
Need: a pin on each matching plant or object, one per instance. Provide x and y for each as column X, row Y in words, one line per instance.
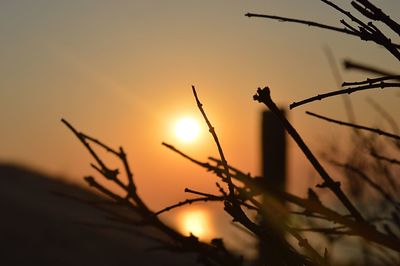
column 123, row 73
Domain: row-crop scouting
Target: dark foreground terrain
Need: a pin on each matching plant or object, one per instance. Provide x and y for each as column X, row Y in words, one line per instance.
column 39, row 227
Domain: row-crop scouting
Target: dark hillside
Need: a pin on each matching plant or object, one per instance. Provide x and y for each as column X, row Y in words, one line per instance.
column 38, row 227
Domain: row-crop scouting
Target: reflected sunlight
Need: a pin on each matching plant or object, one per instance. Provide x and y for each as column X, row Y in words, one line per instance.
column 195, row 222
column 187, row 129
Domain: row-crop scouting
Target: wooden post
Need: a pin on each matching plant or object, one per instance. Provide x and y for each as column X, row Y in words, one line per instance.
column 272, row 248
column 273, row 151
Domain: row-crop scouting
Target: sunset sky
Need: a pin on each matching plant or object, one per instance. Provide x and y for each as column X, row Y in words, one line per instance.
column 122, row 71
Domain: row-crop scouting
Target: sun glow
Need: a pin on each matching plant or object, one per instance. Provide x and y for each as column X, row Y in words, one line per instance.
column 195, row 223
column 187, row 129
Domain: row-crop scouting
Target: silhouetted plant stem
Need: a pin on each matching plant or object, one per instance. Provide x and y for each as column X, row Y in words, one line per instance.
column 263, row 96
column 370, row 81
column 206, row 165
column 366, row 31
column 339, row 122
column 365, row 68
column 319, row 97
column 384, row 158
column 370, row 182
column 372, row 12
column 220, row 151
column 188, row 202
column 300, row 21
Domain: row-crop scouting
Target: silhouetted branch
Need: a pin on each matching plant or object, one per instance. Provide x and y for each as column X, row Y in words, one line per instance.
column 338, row 230
column 304, row 22
column 370, row 182
column 319, row 97
column 303, row 242
column 263, row 96
column 212, row 254
column 371, row 81
column 336, row 74
column 368, row 31
column 365, row 68
column 373, row 130
column 370, row 11
column 208, row 166
column 188, row 202
column 384, row 158
column 220, row 151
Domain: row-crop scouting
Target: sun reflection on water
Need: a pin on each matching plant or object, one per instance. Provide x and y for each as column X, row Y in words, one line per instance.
column 196, row 222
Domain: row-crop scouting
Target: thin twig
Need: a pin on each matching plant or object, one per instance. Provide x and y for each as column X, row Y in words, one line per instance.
column 205, row 165
column 372, row 12
column 338, row 78
column 221, row 153
column 324, row 230
column 384, row 158
column 371, row 81
column 373, row 130
column 188, row 202
column 365, row 68
column 300, row 21
column 211, row 196
column 368, row 31
column 370, row 182
column 317, row 25
column 319, row 97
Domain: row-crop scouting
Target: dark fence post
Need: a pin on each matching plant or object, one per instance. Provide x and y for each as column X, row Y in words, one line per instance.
column 273, row 151
column 272, row 248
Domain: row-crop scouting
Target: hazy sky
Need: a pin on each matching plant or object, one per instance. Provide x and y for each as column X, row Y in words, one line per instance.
column 122, row 71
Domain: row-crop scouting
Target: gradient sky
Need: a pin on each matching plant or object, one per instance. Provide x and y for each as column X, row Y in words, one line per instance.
column 122, row 71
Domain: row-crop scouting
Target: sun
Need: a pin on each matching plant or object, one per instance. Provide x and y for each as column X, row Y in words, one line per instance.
column 187, row 129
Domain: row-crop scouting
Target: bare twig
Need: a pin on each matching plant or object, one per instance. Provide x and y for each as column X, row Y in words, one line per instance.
column 221, row 153
column 373, row 130
column 188, row 202
column 370, row 182
column 336, row 74
column 319, row 97
column 304, row 22
column 372, row 12
column 365, row 68
column 348, row 30
column 372, row 81
column 324, row 230
column 205, row 165
column 368, row 31
column 384, row 158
